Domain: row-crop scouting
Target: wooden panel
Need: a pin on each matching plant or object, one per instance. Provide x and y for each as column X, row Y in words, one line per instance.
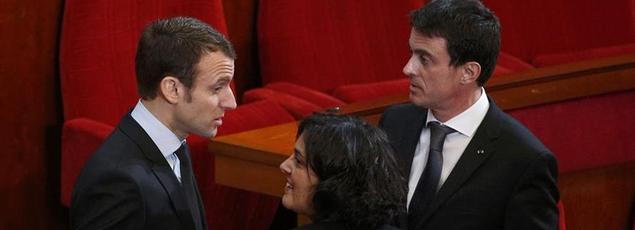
column 31, row 115
column 601, row 198
column 563, row 82
column 256, row 155
column 243, row 173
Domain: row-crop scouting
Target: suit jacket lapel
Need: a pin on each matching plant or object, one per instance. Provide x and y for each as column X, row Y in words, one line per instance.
column 160, row 167
column 410, row 139
column 477, row 151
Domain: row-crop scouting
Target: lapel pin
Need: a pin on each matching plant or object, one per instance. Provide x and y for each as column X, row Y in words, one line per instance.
column 480, row 151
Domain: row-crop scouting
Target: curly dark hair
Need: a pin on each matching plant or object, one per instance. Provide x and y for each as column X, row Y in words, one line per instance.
column 359, row 180
column 471, row 30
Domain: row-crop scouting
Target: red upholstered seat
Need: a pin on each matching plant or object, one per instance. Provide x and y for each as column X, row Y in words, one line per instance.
column 329, row 43
column 97, row 51
column 534, row 28
column 298, row 107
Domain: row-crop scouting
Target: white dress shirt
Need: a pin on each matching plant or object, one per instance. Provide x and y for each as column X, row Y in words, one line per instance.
column 455, row 143
column 163, row 138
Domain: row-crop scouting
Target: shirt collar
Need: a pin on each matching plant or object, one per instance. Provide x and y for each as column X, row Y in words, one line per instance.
column 163, row 138
column 467, row 121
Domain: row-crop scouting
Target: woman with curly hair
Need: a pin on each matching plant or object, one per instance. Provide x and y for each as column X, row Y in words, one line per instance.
column 343, row 175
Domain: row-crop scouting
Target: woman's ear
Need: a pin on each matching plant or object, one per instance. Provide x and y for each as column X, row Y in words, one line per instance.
column 471, row 71
column 170, row 89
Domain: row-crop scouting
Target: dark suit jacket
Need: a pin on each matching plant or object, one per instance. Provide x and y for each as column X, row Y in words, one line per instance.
column 128, row 184
column 505, row 179
column 337, row 226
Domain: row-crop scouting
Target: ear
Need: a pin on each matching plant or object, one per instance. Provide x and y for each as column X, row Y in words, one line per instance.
column 170, row 88
column 471, row 71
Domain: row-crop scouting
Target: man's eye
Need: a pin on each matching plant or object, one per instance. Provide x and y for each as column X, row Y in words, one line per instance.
column 423, row 60
column 218, row 89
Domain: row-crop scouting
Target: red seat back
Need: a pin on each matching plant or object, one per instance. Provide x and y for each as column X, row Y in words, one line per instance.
column 531, row 28
column 327, row 43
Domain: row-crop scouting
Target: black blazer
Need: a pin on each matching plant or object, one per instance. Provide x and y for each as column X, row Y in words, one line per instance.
column 128, row 184
column 337, row 226
column 505, row 179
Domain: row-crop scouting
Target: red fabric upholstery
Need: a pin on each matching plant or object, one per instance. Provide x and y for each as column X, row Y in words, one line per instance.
column 80, row 138
column 585, row 133
column 512, row 63
column 319, row 98
column 97, row 49
column 368, row 91
column 298, row 107
column 531, row 28
column 507, row 64
column 560, row 58
column 325, row 44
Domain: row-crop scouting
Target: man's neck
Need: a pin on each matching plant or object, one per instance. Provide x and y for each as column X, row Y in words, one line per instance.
column 162, row 112
column 457, row 106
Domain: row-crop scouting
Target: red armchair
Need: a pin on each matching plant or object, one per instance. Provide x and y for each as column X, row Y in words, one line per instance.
column 97, row 50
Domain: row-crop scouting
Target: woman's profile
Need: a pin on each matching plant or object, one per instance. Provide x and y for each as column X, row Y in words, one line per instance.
column 343, row 175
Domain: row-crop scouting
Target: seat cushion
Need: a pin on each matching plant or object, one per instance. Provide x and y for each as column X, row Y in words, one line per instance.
column 316, row 97
column 368, row 91
column 328, row 43
column 297, row 107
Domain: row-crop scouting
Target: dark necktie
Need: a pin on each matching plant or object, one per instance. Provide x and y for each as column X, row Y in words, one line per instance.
column 429, row 182
column 187, row 182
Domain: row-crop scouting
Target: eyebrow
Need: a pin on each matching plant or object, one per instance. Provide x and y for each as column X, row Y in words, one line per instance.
column 223, row 80
column 422, row 52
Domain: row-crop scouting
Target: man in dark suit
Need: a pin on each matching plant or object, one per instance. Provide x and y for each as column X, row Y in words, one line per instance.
column 470, row 165
column 141, row 176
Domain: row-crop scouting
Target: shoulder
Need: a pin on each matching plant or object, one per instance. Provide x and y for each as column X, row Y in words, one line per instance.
column 403, row 108
column 118, row 160
column 401, row 114
column 521, row 147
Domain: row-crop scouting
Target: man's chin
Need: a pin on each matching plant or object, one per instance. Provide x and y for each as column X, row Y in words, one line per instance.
column 418, row 101
column 210, row 134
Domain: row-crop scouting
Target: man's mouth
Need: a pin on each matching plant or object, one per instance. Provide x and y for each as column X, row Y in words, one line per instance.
column 218, row 121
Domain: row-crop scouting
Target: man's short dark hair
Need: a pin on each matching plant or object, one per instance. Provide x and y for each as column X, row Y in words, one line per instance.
column 173, row 47
column 471, row 30
column 359, row 180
